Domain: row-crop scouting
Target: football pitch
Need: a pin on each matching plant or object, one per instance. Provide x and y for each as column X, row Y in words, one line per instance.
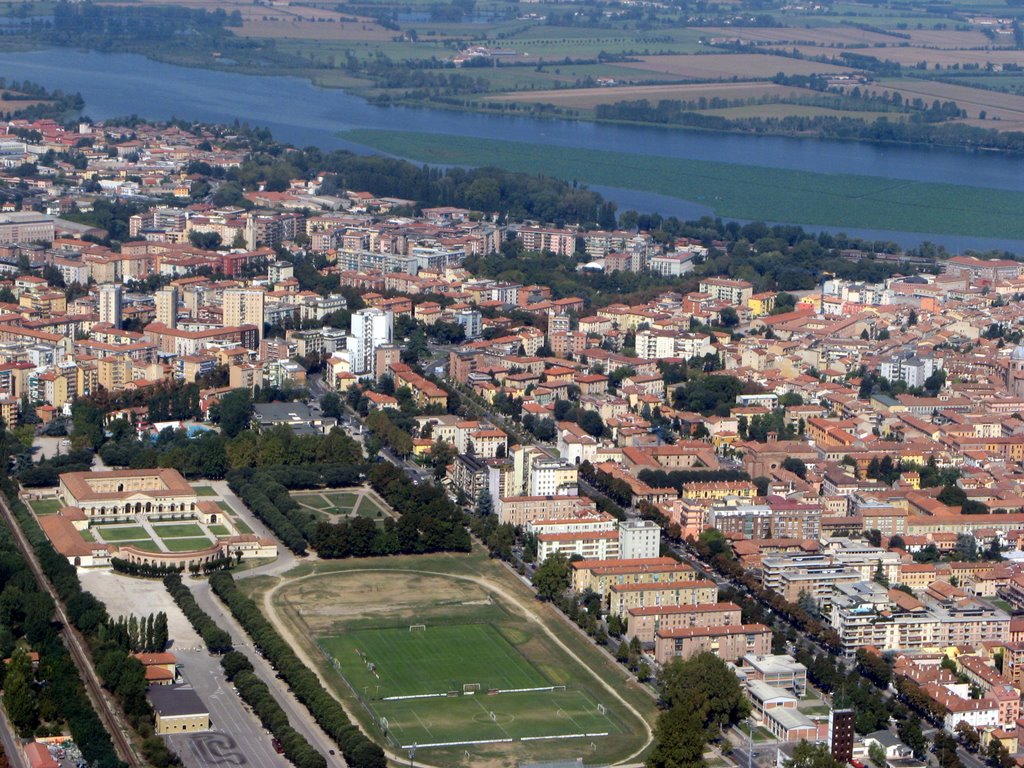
column 446, row 685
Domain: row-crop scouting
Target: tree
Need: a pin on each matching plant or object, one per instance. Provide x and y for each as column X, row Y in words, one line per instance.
column 796, row 466
column 551, row 579
column 235, row 412
column 330, row 405
column 484, row 503
column 719, row 688
column 877, row 754
column 19, row 699
column 807, row 755
column 681, row 735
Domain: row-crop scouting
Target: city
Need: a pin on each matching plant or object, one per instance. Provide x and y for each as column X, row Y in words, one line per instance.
column 312, row 474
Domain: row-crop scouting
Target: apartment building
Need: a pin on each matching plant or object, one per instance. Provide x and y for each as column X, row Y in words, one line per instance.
column 727, row 643
column 622, row 597
column 645, row 623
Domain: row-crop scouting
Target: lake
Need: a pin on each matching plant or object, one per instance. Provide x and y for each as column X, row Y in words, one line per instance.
column 300, row 113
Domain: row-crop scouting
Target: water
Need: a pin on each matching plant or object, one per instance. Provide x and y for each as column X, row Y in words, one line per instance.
column 300, row 113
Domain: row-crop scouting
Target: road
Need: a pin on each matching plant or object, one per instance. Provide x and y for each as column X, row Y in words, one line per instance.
column 11, row 742
column 108, row 711
column 237, row 737
column 298, row 715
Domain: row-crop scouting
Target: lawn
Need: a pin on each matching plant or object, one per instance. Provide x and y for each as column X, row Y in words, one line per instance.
column 205, row 490
column 732, row 190
column 186, row 545
column 369, row 508
column 112, row 533
column 219, row 530
column 342, row 501
column 147, row 545
column 46, row 506
column 388, row 664
column 438, row 659
column 314, row 500
column 178, row 530
column 240, row 525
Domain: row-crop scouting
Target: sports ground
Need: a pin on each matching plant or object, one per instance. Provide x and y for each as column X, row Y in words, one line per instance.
column 451, row 653
column 448, row 685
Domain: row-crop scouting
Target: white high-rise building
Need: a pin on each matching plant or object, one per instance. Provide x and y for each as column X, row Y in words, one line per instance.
column 167, row 306
column 110, row 304
column 371, row 328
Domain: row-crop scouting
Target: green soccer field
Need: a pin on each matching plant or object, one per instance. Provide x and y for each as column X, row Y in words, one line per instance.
column 437, row 659
column 450, row 671
column 481, row 717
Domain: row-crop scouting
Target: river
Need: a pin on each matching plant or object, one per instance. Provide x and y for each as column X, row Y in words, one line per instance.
column 300, row 113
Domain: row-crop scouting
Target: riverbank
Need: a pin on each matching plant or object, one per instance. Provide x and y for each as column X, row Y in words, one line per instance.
column 733, row 190
column 301, row 114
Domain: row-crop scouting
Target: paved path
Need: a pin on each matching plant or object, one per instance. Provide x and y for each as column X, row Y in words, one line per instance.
column 270, row 612
column 298, row 715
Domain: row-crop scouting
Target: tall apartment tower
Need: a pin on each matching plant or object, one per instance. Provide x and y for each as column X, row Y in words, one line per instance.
column 371, row 328
column 243, row 307
column 110, row 305
column 841, row 734
column 167, row 306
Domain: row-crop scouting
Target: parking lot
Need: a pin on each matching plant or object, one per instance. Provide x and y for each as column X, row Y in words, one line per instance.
column 237, row 738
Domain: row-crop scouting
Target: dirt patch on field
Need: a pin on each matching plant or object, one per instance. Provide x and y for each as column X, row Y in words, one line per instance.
column 722, row 66
column 588, row 98
column 325, row 603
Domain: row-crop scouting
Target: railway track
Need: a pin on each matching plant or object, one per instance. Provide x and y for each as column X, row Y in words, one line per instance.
column 106, row 709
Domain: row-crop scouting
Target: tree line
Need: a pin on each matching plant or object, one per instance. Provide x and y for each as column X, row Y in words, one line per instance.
column 239, row 671
column 216, row 639
column 357, row 749
column 29, row 614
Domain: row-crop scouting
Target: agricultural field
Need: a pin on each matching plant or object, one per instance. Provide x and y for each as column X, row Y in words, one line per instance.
column 726, row 66
column 996, row 105
column 451, row 653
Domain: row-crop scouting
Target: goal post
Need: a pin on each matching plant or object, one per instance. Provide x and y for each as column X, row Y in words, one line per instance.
column 417, row 627
column 601, row 710
column 468, row 689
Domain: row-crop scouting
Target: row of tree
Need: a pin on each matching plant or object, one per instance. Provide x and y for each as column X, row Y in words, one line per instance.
column 239, row 671
column 28, row 612
column 256, row 694
column 358, row 750
column 216, row 639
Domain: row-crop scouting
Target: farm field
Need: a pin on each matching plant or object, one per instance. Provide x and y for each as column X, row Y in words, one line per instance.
column 482, row 632
column 724, row 66
column 1005, row 106
column 740, row 191
column 912, row 56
